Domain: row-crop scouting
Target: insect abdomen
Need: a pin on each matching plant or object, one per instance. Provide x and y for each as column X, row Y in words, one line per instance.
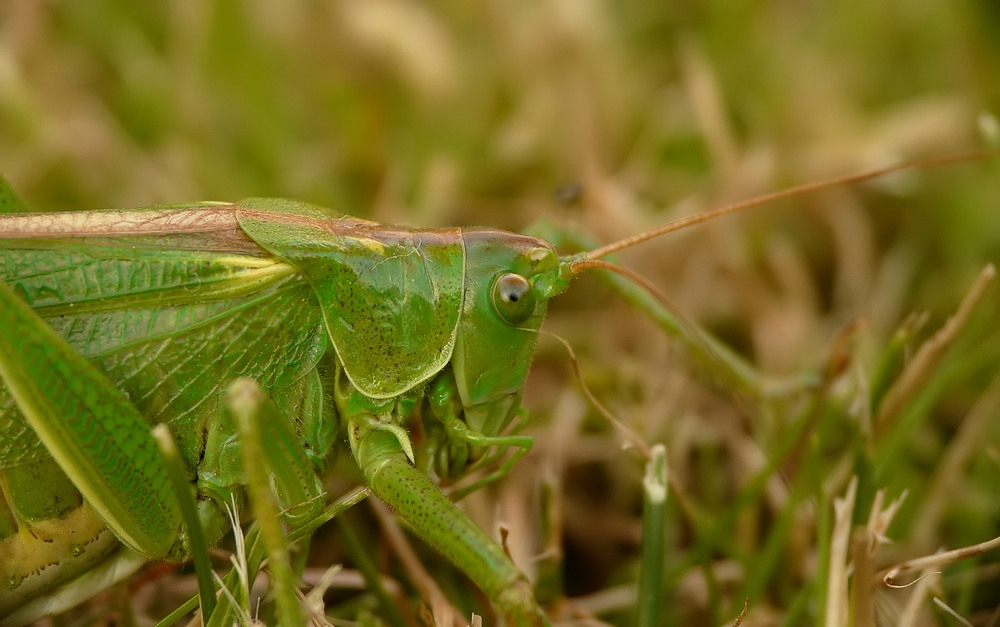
column 48, row 535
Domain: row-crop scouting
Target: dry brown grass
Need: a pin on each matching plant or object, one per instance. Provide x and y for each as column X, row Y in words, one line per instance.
column 476, row 113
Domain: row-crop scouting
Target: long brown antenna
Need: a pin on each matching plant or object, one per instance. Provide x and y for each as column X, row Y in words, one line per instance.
column 785, row 193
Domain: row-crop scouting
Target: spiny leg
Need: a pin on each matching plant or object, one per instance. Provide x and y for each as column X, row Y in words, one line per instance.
column 438, row 521
column 456, row 439
column 521, row 444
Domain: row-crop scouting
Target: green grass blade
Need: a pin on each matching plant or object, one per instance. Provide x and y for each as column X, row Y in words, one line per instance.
column 653, row 515
column 10, row 200
column 189, row 512
column 250, row 408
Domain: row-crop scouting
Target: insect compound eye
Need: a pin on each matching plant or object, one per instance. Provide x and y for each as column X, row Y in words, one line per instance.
column 513, row 298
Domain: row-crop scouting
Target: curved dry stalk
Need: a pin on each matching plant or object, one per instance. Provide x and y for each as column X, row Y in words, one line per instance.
column 930, row 352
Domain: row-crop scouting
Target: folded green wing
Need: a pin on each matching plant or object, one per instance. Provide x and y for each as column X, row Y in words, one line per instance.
column 169, row 326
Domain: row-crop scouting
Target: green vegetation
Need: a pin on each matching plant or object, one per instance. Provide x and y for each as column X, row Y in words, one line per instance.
column 609, row 119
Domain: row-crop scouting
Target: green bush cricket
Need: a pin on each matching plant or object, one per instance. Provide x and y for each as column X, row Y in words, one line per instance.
column 113, row 321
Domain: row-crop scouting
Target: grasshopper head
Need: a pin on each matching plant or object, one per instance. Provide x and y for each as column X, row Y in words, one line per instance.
column 503, row 309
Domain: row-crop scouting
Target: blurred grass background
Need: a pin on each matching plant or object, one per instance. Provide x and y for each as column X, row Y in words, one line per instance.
column 610, row 118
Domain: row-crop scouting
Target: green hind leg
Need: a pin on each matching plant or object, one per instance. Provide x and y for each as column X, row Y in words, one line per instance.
column 439, row 522
column 100, row 443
